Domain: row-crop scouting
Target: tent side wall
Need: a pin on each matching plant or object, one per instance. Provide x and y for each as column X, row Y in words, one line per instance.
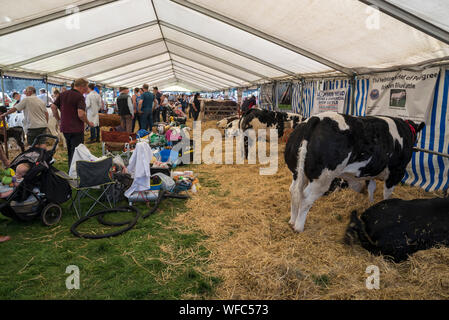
column 428, row 171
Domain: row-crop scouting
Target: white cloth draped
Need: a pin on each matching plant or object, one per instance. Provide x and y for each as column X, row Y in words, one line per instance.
column 139, row 168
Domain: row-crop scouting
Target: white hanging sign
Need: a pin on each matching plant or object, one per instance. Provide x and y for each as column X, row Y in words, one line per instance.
column 405, row 94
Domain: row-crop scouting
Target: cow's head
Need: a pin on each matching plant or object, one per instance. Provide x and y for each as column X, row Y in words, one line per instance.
column 415, row 129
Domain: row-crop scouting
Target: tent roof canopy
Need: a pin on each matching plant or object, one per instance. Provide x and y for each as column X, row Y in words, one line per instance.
column 210, row 45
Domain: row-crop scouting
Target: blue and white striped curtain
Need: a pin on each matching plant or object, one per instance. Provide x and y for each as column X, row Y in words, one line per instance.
column 361, row 91
column 429, row 171
column 296, row 97
column 266, row 99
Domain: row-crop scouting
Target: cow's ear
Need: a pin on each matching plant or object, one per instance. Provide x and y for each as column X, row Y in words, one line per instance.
column 421, row 126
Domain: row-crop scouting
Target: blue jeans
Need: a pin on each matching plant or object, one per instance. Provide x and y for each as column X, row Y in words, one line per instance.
column 146, row 120
column 95, row 134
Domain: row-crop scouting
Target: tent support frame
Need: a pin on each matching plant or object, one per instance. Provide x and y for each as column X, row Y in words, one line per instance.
column 263, row 35
column 409, row 19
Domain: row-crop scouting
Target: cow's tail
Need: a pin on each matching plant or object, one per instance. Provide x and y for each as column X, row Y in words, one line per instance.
column 356, row 232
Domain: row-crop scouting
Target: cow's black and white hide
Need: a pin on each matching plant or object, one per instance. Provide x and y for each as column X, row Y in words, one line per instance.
column 397, row 228
column 332, row 145
column 261, row 119
column 15, row 133
column 223, row 123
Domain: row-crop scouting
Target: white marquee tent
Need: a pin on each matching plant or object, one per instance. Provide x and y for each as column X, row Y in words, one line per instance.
column 212, row 45
column 209, row 44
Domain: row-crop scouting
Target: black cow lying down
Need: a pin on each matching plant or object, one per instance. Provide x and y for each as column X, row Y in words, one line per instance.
column 356, row 149
column 397, row 228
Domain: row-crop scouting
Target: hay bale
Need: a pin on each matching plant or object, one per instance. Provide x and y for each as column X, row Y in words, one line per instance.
column 109, row 120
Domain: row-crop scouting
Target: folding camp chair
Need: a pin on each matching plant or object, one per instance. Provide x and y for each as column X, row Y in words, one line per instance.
column 92, row 175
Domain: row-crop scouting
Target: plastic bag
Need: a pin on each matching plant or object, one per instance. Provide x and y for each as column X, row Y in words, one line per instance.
column 168, row 183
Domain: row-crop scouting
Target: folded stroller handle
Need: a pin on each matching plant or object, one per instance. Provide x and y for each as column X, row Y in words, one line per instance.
column 46, row 136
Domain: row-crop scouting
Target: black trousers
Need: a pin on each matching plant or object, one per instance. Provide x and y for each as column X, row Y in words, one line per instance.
column 73, row 140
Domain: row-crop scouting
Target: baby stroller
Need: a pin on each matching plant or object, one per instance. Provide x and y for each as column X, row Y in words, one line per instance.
column 41, row 191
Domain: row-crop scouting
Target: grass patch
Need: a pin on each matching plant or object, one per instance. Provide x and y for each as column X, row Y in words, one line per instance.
column 155, row 260
column 285, row 107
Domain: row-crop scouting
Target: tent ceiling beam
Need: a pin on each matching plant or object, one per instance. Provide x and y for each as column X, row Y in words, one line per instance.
column 137, row 75
column 162, row 34
column 110, row 55
column 53, row 16
column 156, row 81
column 134, row 70
column 220, row 77
column 207, row 73
column 216, row 58
column 220, row 84
column 409, row 19
column 124, row 65
column 224, row 47
column 155, row 76
column 204, row 78
column 83, row 44
column 197, row 80
column 214, row 68
column 263, row 35
column 196, row 87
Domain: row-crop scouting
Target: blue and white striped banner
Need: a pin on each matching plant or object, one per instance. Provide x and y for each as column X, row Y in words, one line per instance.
column 428, row 171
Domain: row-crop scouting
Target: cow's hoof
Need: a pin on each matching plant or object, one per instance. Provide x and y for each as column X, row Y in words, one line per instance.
column 298, row 229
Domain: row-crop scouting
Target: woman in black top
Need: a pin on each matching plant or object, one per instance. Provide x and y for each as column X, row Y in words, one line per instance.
column 196, row 107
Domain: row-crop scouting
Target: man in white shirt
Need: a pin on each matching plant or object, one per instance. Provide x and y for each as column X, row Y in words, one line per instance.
column 45, row 97
column 93, row 106
column 35, row 113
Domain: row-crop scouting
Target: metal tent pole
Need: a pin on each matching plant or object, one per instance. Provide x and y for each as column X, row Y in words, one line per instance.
column 5, row 138
column 46, row 88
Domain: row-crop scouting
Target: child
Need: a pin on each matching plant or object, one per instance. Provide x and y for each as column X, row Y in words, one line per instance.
column 21, row 171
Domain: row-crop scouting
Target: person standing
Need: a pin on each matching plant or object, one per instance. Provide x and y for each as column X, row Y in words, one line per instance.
column 125, row 109
column 146, row 105
column 73, row 115
column 45, row 97
column 191, row 106
column 164, row 105
column 196, row 106
column 93, row 106
column 135, row 99
column 184, row 103
column 157, row 110
column 35, row 116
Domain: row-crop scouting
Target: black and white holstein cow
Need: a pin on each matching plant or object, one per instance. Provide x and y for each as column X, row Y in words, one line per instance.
column 397, row 228
column 331, row 145
column 224, row 123
column 260, row 119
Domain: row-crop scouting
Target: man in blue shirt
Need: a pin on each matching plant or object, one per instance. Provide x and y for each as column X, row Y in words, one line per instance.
column 146, row 105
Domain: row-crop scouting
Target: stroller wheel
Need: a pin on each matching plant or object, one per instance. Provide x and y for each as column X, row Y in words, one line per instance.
column 51, row 214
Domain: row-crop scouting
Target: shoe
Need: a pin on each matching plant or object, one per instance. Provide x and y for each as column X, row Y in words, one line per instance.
column 5, row 238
